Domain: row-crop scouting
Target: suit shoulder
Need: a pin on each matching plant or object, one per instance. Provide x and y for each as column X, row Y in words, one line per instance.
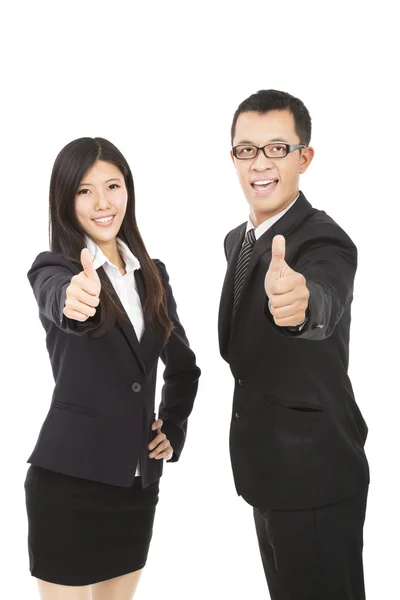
column 232, row 237
column 163, row 273
column 322, row 227
column 233, row 233
column 162, row 269
column 54, row 260
column 159, row 264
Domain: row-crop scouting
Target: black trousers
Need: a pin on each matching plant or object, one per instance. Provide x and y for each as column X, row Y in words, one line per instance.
column 314, row 554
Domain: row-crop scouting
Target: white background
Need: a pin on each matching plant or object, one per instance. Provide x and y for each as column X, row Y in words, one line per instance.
column 162, row 80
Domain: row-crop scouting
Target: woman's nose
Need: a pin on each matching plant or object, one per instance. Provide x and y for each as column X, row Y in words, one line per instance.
column 102, row 201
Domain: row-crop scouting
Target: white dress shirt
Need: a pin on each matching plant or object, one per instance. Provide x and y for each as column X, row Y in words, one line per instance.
column 124, row 285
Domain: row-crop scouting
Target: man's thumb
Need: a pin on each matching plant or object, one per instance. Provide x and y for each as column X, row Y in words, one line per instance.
column 278, row 256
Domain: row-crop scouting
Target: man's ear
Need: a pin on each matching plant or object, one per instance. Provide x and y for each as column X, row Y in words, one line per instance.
column 307, row 154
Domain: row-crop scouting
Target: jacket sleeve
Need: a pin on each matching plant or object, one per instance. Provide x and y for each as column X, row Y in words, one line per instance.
column 49, row 276
column 328, row 263
column 181, row 376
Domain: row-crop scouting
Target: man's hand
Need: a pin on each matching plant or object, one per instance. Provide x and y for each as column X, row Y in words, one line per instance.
column 160, row 446
column 83, row 292
column 287, row 290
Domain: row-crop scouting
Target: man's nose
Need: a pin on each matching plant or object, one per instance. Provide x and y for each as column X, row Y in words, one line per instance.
column 261, row 162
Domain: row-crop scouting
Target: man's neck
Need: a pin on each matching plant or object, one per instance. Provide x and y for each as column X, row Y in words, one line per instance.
column 258, row 218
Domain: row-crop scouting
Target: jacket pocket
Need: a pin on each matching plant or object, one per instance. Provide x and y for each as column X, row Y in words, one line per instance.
column 76, row 408
column 290, row 405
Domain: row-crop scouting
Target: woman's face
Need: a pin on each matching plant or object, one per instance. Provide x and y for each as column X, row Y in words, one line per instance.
column 100, row 202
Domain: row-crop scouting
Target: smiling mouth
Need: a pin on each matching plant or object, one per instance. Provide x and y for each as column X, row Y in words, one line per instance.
column 263, row 185
column 104, row 221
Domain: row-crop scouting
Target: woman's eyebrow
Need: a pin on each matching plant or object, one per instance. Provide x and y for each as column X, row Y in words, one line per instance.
column 112, row 179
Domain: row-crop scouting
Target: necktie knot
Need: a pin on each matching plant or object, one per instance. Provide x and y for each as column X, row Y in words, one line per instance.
column 251, row 236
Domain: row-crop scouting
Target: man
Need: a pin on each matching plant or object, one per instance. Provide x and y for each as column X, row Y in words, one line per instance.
column 297, row 435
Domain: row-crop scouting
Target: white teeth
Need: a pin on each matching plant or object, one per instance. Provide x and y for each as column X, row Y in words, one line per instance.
column 104, row 220
column 263, row 182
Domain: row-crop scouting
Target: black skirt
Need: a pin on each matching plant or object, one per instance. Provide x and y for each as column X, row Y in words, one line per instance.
column 81, row 532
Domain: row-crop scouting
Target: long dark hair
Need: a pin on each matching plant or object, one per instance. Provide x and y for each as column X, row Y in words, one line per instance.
column 68, row 237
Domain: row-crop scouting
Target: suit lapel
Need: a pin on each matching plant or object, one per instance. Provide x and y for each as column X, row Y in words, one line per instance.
column 226, row 304
column 125, row 325
column 151, row 342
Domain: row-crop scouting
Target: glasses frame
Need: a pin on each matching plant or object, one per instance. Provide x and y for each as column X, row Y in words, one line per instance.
column 289, row 148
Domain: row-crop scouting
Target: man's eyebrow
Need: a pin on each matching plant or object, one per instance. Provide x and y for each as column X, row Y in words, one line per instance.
column 108, row 180
column 281, row 139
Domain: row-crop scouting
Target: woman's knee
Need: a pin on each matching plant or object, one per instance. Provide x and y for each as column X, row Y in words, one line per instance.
column 53, row 591
column 118, row 588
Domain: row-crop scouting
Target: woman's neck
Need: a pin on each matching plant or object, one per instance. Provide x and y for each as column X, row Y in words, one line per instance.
column 110, row 250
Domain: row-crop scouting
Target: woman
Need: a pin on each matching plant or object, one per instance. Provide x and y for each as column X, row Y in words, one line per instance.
column 109, row 314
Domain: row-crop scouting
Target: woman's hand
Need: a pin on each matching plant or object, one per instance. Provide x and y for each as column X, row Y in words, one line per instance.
column 83, row 292
column 160, row 446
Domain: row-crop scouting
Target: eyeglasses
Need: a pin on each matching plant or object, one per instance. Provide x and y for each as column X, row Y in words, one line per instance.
column 246, row 152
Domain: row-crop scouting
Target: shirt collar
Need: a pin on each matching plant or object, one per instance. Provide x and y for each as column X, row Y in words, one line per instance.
column 130, row 260
column 100, row 259
column 269, row 222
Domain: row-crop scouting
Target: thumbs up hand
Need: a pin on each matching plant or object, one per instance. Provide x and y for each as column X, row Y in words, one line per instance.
column 87, row 264
column 83, row 292
column 287, row 290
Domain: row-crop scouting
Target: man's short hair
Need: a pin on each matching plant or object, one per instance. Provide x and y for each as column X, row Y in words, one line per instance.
column 266, row 100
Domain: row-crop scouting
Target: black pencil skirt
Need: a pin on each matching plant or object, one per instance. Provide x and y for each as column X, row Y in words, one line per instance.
column 81, row 532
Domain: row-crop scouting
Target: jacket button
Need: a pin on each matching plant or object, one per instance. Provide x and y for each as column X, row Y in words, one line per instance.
column 240, row 381
column 136, row 387
column 237, row 416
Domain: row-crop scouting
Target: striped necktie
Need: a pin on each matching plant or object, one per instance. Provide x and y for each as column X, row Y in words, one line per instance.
column 242, row 263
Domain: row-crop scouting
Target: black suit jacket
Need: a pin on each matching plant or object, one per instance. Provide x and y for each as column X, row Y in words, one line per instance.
column 297, row 434
column 102, row 409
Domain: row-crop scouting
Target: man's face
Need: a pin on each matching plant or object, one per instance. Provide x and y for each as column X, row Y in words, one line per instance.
column 269, row 184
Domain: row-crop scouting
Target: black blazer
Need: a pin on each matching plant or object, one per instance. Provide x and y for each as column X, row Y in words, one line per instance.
column 297, row 434
column 102, row 409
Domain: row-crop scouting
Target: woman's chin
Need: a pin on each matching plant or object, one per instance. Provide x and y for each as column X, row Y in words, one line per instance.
column 104, row 234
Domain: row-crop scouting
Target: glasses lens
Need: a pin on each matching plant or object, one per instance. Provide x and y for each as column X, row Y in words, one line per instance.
column 243, row 152
column 276, row 150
